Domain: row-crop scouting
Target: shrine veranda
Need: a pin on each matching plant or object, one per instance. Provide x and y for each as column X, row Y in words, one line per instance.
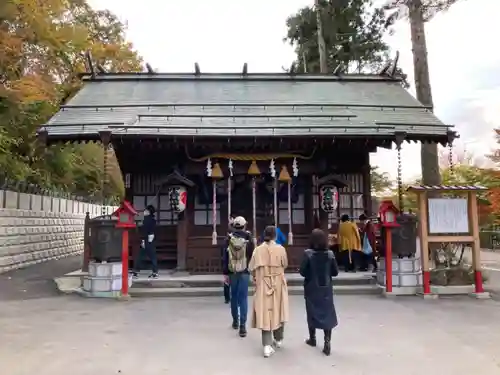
column 294, row 147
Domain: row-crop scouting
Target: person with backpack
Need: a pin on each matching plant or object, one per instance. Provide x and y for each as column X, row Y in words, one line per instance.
column 239, row 247
column 227, row 285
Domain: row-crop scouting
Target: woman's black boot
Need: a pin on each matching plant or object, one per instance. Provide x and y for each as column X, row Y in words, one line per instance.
column 328, row 338
column 311, row 341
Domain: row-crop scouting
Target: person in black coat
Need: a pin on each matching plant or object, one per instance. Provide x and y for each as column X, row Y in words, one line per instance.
column 318, row 267
column 147, row 233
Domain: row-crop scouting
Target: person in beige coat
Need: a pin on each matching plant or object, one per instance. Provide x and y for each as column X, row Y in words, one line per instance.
column 270, row 303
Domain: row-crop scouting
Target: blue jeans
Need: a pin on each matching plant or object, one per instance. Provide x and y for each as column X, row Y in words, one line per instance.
column 239, row 296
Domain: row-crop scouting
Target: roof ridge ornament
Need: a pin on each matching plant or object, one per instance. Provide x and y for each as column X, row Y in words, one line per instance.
column 245, row 69
column 197, row 70
column 101, row 69
column 390, row 68
column 385, row 69
column 150, row 69
column 89, row 63
column 394, row 69
column 339, row 69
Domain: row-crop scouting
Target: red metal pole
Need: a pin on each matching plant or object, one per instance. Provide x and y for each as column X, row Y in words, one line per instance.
column 125, row 262
column 427, row 282
column 478, row 276
column 388, row 260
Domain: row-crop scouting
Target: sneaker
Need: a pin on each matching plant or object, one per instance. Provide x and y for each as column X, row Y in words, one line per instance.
column 278, row 343
column 154, row 275
column 135, row 275
column 235, row 324
column 243, row 331
column 268, row 351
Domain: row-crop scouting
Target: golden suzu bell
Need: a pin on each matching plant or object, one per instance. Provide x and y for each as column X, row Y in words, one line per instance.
column 217, row 171
column 284, row 175
column 254, row 170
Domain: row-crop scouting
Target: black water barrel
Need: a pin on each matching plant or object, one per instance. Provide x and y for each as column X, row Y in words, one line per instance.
column 105, row 239
column 404, row 237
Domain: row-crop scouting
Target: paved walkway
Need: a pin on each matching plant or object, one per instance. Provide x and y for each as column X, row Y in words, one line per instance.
column 67, row 334
column 490, row 261
column 36, row 281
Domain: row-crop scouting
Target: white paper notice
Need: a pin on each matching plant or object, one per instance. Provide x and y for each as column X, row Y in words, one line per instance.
column 448, row 215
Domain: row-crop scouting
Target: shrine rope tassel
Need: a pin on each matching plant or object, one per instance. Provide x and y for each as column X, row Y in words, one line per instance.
column 229, row 188
column 214, row 212
column 272, row 170
column 285, row 177
column 216, row 173
column 254, row 171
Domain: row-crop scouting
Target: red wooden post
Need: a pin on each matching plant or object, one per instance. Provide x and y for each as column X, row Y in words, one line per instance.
column 388, row 260
column 476, row 246
column 125, row 262
column 479, row 281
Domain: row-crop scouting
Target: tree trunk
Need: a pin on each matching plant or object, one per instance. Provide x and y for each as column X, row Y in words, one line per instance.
column 429, row 152
column 323, row 65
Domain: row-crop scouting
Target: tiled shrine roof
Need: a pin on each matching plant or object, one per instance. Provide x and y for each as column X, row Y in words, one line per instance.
column 228, row 105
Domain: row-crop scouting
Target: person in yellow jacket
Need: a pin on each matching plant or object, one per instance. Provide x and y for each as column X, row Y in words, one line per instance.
column 349, row 242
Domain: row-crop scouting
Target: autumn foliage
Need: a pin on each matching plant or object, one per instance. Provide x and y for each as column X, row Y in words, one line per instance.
column 42, row 45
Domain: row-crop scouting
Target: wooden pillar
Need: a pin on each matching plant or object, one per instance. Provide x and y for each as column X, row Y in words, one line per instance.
column 367, row 185
column 476, row 246
column 423, row 233
column 182, row 233
column 184, row 252
column 308, row 203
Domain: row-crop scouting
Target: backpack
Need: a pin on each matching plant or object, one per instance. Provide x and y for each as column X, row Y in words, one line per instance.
column 237, row 253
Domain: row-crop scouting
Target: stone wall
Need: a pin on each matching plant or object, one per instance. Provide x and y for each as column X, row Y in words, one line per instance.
column 36, row 228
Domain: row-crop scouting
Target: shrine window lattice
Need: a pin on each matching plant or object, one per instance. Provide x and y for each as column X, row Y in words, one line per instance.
column 146, row 193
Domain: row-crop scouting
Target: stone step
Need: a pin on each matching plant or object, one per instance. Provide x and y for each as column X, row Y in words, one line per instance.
column 370, row 289
column 215, row 281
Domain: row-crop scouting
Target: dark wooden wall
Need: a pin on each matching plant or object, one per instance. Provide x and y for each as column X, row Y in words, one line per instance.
column 182, row 244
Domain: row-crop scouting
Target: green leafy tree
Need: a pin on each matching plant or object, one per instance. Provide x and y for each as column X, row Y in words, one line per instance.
column 353, row 32
column 381, row 182
column 418, row 12
column 41, row 58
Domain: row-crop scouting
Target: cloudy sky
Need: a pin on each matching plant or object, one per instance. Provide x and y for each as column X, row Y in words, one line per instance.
column 223, row 34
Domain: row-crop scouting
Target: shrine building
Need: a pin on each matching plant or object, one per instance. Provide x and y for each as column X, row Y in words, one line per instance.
column 199, row 147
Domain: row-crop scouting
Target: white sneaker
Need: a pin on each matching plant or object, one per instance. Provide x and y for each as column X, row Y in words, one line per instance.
column 268, row 351
column 278, row 344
